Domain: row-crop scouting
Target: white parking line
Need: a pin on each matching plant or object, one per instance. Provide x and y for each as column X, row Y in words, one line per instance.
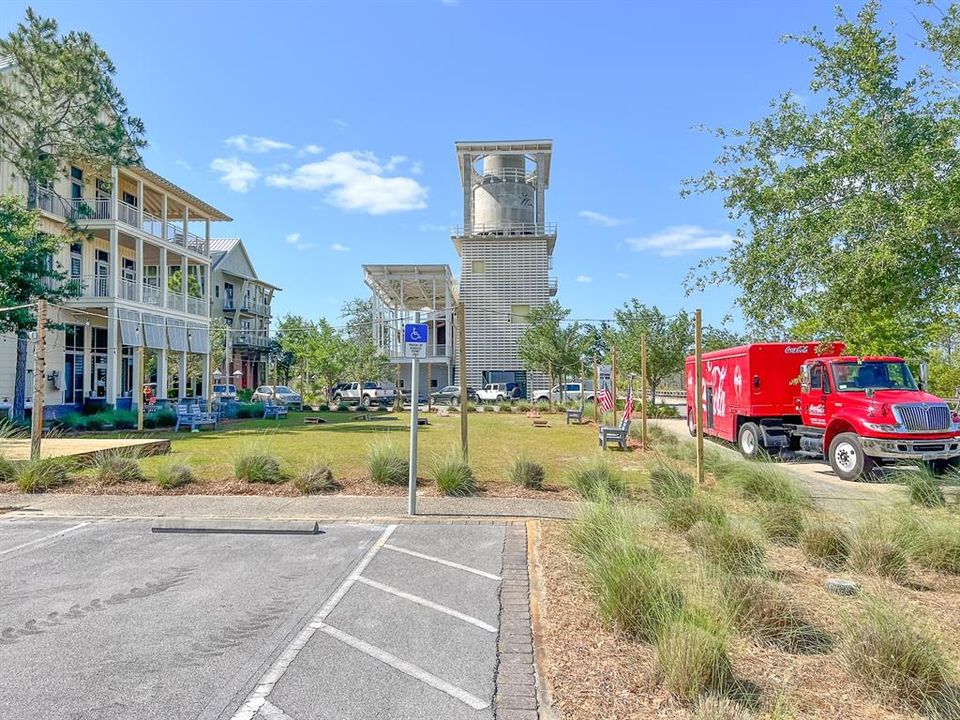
column 441, row 561
column 406, row 668
column 270, row 711
column 428, row 603
column 258, row 697
column 48, row 537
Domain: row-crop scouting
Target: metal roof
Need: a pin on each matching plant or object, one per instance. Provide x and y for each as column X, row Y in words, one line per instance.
column 479, row 148
column 411, row 287
column 193, row 200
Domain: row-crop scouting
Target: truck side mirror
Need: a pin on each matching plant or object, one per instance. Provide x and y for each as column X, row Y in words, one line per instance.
column 805, row 379
column 924, row 373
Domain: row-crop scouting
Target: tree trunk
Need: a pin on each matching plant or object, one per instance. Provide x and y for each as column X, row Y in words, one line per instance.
column 20, row 381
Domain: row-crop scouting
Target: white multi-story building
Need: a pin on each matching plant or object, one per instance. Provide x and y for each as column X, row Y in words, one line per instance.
column 143, row 273
column 505, row 247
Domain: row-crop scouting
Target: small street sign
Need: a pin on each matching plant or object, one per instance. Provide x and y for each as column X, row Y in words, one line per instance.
column 415, row 337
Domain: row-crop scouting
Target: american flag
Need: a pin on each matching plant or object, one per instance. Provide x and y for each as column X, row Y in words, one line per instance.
column 605, row 400
column 628, row 408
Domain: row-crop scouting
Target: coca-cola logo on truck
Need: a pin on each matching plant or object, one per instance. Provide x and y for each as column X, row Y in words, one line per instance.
column 796, row 349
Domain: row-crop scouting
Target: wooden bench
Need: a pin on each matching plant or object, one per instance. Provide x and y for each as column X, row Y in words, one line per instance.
column 617, row 435
column 313, row 420
column 540, row 422
column 274, row 411
column 576, row 416
column 193, row 416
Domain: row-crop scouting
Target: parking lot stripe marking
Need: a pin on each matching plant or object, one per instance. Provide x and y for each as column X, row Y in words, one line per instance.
column 256, row 699
column 48, row 537
column 406, row 668
column 441, row 561
column 270, row 711
column 428, row 603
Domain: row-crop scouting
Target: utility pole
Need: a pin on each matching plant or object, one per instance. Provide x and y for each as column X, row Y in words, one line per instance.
column 596, row 391
column 613, row 382
column 39, row 373
column 643, row 391
column 462, row 370
column 698, row 339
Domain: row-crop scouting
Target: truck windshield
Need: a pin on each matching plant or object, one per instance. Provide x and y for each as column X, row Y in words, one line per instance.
column 853, row 377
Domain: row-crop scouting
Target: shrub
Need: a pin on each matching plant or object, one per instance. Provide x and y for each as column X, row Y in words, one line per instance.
column 527, row 473
column 693, row 659
column 682, row 513
column 731, row 548
column 596, row 479
column 715, row 707
column 524, row 406
column 254, row 465
column 316, row 479
column 782, row 523
column 8, row 470
column 878, row 549
column 323, row 407
column 117, row 468
column 763, row 481
column 160, row 418
column 245, row 395
column 41, row 474
column 922, row 486
column 343, row 407
column 634, row 593
column 247, row 410
column 762, row 610
column 890, row 654
column 388, row 464
column 172, row 474
column 453, row 475
column 123, row 419
column 669, row 481
column 827, row 546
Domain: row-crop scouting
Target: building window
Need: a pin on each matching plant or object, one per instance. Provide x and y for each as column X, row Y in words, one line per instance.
column 479, row 267
column 76, row 260
column 73, row 364
column 216, row 291
column 76, row 183
column 129, row 198
column 519, row 313
column 98, row 362
column 433, row 382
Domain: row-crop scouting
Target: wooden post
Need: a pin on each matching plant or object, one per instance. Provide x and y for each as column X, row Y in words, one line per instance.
column 39, row 373
column 596, row 390
column 698, row 371
column 643, row 391
column 613, row 383
column 462, row 370
column 550, row 391
column 581, row 389
column 140, row 389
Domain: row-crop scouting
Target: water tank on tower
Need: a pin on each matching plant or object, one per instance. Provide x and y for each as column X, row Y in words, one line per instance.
column 503, row 198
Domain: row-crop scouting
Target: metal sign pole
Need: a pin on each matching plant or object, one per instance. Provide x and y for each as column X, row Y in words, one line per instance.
column 414, row 411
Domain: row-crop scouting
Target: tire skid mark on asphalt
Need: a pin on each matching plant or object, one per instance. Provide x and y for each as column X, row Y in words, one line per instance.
column 177, row 576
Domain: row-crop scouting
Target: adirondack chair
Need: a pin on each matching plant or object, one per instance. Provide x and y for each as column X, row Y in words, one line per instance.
column 275, row 411
column 617, row 435
column 191, row 414
column 575, row 416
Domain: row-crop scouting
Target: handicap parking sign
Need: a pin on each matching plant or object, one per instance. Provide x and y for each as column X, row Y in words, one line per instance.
column 415, row 336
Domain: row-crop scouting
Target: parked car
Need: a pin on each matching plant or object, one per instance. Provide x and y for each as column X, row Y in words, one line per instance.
column 497, row 392
column 225, row 392
column 571, row 393
column 362, row 393
column 450, row 395
column 280, row 394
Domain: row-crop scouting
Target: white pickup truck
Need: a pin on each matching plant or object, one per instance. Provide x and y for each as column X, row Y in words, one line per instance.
column 571, row 392
column 495, row 392
column 365, row 393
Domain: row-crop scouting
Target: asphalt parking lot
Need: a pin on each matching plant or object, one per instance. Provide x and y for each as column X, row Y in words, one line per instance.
column 106, row 619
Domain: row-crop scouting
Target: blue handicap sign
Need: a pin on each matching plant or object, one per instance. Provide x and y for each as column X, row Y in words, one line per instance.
column 415, row 333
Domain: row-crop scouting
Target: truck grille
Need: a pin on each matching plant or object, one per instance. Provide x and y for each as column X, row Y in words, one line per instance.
column 922, row 417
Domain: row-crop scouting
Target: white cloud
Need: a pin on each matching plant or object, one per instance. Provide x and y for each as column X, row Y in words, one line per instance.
column 236, row 174
column 622, row 275
column 297, row 242
column 342, row 124
column 433, row 227
column 310, row 150
column 337, row 247
column 356, row 181
column 584, row 278
column 416, row 168
column 249, row 143
column 600, row 219
column 184, row 164
column 293, row 238
column 680, row 239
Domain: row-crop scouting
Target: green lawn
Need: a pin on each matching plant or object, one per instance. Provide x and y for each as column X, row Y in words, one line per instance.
column 343, row 442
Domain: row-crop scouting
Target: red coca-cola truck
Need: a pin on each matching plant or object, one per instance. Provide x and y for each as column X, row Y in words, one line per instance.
column 811, row 399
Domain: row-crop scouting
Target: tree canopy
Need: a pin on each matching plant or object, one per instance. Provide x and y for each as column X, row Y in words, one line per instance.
column 849, row 202
column 552, row 345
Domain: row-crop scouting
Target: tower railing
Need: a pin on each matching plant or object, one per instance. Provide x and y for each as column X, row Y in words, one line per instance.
column 506, row 229
column 505, row 175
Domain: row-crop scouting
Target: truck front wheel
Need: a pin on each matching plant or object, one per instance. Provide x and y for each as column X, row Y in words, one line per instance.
column 750, row 440
column 848, row 459
column 691, row 422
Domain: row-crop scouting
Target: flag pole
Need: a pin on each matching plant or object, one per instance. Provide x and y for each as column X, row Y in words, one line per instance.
column 613, row 383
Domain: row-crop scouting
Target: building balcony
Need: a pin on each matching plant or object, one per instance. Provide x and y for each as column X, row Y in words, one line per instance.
column 253, row 340
column 505, row 230
column 97, row 287
column 552, row 286
column 256, row 308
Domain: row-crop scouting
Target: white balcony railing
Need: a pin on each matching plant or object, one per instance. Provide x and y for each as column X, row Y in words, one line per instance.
column 196, row 306
column 128, row 214
column 152, row 296
column 94, row 286
column 506, row 229
column 175, row 301
column 128, row 290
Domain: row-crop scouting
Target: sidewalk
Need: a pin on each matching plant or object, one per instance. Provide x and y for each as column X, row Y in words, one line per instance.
column 311, row 507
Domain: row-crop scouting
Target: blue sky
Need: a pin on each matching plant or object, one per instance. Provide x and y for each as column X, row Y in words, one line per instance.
column 327, row 130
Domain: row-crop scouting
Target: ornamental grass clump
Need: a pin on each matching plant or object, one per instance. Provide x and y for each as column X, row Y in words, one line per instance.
column 173, row 474
column 683, row 513
column 527, row 473
column 257, row 466
column 388, row 464
column 891, row 654
column 923, row 485
column 117, row 468
column 41, row 474
column 880, row 548
column 596, row 479
column 764, row 481
column 717, row 707
column 762, row 610
column 731, row 548
column 782, row 523
column 316, row 479
column 8, row 470
column 692, row 658
column 667, row 480
column 826, row 545
column 453, row 475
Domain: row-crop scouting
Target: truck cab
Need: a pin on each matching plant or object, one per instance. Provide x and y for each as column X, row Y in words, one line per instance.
column 872, row 411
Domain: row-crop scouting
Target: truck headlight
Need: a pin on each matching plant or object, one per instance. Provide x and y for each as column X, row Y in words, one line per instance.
column 877, row 427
